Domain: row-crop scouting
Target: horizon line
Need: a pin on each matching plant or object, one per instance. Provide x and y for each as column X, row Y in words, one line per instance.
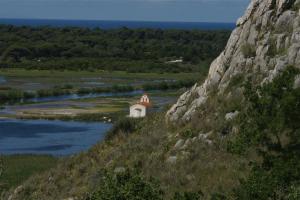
column 117, row 20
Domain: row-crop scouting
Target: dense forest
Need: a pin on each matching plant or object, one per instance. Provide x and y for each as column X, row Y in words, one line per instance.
column 133, row 50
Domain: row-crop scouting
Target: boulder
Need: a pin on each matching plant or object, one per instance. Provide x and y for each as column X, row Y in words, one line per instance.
column 297, row 82
column 187, row 143
column 179, row 144
column 194, row 139
column 231, row 116
column 205, row 136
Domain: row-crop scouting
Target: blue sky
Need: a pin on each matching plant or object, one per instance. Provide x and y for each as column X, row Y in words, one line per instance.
column 146, row 10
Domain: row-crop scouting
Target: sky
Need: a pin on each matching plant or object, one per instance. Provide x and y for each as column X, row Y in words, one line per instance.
column 137, row 10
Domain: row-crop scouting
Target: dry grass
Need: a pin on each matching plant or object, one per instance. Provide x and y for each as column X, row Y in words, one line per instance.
column 206, row 168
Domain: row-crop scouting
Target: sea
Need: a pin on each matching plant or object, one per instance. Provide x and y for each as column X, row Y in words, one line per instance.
column 107, row 24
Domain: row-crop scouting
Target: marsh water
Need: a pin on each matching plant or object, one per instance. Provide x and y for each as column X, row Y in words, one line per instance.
column 84, row 96
column 56, row 138
column 2, row 79
column 60, row 138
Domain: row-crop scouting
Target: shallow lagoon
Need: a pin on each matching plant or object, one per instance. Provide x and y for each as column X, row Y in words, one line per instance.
column 2, row 79
column 84, row 96
column 57, row 138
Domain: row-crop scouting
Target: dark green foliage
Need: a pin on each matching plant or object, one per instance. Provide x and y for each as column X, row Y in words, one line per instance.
column 113, row 89
column 188, row 133
column 273, row 109
column 275, row 178
column 9, row 95
column 188, row 196
column 165, row 85
column 270, row 124
column 218, row 196
column 132, row 50
column 272, row 50
column 130, row 185
column 51, row 92
column 124, row 126
column 14, row 95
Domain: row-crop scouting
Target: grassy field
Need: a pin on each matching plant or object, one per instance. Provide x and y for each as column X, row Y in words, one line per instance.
column 18, row 168
column 62, row 74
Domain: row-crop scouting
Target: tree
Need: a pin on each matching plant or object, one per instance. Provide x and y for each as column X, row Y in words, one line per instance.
column 270, row 124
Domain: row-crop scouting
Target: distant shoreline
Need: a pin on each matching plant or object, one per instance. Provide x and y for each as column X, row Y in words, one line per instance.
column 111, row 24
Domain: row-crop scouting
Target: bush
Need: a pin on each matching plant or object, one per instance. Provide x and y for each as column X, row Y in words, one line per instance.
column 12, row 95
column 188, row 196
column 188, row 133
column 296, row 7
column 129, row 185
column 124, row 126
column 165, row 85
column 270, row 125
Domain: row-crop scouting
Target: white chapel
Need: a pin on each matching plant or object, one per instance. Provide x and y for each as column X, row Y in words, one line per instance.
column 139, row 109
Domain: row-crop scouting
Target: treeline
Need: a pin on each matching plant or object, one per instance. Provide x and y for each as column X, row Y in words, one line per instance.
column 134, row 50
column 10, row 95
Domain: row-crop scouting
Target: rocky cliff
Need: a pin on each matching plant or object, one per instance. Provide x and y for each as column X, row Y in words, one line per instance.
column 265, row 41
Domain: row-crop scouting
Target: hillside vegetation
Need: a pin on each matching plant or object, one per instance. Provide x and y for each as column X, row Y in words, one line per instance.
column 132, row 50
column 17, row 168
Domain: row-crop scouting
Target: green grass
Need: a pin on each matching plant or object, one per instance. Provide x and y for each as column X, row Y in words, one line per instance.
column 61, row 75
column 17, row 168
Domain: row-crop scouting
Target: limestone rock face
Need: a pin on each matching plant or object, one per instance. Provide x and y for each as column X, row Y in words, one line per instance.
column 270, row 30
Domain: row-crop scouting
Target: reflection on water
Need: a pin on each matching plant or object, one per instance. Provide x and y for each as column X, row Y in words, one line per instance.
column 49, row 137
column 2, row 79
column 85, row 96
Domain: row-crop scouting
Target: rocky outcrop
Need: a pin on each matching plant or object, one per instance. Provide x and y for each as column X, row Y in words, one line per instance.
column 231, row 115
column 265, row 41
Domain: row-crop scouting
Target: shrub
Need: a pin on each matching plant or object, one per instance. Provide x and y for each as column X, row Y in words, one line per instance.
column 236, row 81
column 166, row 85
column 124, row 125
column 296, row 7
column 270, row 124
column 218, row 196
column 188, row 133
column 188, row 196
column 271, row 109
column 272, row 51
column 129, row 185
